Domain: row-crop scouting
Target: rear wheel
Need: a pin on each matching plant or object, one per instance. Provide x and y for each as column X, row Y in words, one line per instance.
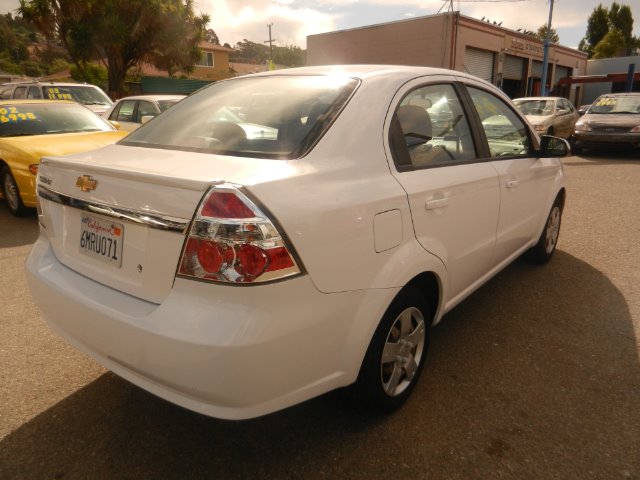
column 396, row 355
column 546, row 246
column 12, row 193
column 551, row 131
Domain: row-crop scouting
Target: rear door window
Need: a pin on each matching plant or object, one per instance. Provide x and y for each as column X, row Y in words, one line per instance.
column 34, row 92
column 429, row 128
column 20, row 92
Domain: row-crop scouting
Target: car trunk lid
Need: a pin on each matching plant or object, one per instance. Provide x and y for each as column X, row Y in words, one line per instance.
column 119, row 215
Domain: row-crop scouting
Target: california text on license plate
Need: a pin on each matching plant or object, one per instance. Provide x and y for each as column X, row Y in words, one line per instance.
column 101, row 239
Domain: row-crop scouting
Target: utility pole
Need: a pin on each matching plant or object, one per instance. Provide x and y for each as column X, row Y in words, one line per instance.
column 545, row 61
column 270, row 42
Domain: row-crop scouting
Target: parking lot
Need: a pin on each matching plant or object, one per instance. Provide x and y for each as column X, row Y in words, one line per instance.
column 535, row 376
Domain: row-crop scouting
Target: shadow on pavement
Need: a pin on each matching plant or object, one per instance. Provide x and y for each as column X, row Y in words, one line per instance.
column 606, row 157
column 16, row 231
column 534, row 376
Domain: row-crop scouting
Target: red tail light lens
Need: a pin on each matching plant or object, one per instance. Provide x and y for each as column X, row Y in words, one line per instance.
column 232, row 240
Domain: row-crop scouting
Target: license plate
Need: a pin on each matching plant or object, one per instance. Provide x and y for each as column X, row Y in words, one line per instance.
column 101, row 239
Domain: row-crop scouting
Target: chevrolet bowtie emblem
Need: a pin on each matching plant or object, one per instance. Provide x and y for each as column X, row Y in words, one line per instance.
column 86, row 183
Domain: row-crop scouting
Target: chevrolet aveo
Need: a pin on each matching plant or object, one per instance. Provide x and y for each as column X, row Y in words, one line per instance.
column 236, row 274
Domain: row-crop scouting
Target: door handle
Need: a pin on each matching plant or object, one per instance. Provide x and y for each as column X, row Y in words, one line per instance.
column 511, row 184
column 438, row 203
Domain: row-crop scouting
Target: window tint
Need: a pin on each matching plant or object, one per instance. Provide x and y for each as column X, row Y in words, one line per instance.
column 34, row 92
column 506, row 134
column 20, row 92
column 125, row 114
column 429, row 128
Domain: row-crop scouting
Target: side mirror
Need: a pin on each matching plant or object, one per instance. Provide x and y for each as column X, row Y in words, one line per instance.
column 115, row 124
column 146, row 118
column 553, row 147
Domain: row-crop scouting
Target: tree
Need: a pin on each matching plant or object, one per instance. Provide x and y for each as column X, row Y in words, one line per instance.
column 610, row 45
column 211, row 37
column 621, row 18
column 597, row 28
column 121, row 32
column 617, row 21
column 542, row 34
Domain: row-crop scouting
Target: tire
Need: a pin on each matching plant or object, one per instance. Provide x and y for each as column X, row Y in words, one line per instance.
column 391, row 367
column 543, row 250
column 575, row 149
column 12, row 193
column 551, row 131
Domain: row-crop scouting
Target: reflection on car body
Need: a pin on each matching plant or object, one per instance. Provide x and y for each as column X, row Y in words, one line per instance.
column 30, row 129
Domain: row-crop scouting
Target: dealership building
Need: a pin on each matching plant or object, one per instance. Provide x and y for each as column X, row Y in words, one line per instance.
column 510, row 59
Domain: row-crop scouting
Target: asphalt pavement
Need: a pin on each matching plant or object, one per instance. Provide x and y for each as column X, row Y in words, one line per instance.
column 535, row 376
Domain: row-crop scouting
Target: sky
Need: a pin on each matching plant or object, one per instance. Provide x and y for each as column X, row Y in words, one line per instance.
column 293, row 20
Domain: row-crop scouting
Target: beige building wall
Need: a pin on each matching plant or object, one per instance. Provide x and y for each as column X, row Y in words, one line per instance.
column 441, row 41
column 409, row 42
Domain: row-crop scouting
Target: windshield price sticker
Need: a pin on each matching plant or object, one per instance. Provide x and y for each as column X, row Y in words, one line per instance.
column 56, row 94
column 101, row 240
column 11, row 114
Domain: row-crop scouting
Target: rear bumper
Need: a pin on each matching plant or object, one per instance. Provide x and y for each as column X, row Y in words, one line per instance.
column 228, row 352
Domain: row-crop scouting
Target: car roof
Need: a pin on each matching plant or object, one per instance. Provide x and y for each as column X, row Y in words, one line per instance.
column 54, row 84
column 153, row 97
column 20, row 101
column 537, row 98
column 367, row 71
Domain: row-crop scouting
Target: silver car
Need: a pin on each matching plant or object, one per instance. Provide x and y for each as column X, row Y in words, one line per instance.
column 549, row 115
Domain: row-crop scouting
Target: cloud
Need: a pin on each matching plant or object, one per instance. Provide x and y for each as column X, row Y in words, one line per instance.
column 234, row 20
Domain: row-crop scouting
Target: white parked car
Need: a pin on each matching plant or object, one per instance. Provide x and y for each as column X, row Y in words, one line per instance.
column 549, row 115
column 237, row 275
column 130, row 112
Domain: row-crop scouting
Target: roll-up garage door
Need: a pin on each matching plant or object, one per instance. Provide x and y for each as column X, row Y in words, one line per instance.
column 512, row 68
column 479, row 63
column 561, row 72
column 536, row 69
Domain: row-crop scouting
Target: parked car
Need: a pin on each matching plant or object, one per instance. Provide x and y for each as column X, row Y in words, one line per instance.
column 130, row 112
column 30, row 129
column 90, row 96
column 612, row 121
column 549, row 115
column 237, row 276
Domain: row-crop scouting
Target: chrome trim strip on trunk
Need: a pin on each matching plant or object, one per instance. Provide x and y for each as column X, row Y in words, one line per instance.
column 156, row 221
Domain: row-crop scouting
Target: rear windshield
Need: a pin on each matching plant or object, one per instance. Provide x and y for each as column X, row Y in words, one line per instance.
column 47, row 118
column 266, row 117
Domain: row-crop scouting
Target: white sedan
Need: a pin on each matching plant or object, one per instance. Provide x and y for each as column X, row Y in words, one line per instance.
column 236, row 274
column 131, row 112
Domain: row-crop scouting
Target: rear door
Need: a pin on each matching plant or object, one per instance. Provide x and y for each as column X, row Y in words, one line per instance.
column 453, row 195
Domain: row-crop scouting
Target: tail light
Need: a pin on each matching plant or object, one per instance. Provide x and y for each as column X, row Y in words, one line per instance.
column 231, row 240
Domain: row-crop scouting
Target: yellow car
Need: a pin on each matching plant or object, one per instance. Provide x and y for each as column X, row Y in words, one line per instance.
column 31, row 129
